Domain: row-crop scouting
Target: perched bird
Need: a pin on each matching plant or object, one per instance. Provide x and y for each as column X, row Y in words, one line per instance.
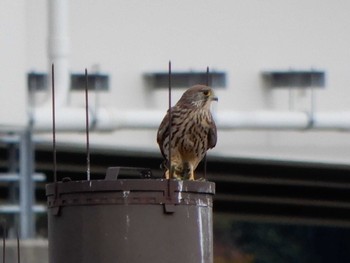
column 193, row 132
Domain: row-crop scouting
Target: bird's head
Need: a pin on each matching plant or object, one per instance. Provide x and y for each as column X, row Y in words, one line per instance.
column 198, row 96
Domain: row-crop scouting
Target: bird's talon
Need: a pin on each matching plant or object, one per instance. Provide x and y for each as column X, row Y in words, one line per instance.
column 202, row 179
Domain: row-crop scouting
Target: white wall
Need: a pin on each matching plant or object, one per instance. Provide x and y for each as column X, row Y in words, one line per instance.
column 242, row 38
column 13, row 97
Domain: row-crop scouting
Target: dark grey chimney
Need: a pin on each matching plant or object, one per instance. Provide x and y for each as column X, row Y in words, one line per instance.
column 130, row 220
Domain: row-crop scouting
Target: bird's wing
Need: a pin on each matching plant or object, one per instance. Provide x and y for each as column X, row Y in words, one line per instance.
column 163, row 132
column 212, row 135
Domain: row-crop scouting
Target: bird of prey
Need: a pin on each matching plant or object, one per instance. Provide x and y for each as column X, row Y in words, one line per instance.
column 193, row 132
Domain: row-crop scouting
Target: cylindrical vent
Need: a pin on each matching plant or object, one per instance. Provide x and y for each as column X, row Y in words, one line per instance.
column 130, row 220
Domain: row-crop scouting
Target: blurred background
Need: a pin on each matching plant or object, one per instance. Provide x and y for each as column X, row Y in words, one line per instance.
column 281, row 72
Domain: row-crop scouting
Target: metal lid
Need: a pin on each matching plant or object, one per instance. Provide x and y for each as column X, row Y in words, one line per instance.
column 130, row 191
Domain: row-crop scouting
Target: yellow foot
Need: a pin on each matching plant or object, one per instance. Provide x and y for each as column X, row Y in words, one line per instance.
column 167, row 174
column 173, row 174
column 202, row 179
column 191, row 178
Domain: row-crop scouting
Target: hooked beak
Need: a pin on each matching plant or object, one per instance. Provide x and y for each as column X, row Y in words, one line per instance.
column 215, row 98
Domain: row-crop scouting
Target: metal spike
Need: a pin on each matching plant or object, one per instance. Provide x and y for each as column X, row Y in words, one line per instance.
column 208, row 76
column 4, row 242
column 205, row 156
column 170, row 120
column 18, row 247
column 87, row 127
column 312, row 99
column 54, row 130
column 54, row 124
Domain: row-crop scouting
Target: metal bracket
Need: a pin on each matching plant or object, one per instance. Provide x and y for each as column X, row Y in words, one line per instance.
column 167, row 193
column 113, row 173
column 170, row 201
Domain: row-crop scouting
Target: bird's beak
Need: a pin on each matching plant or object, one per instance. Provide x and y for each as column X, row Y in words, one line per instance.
column 215, row 98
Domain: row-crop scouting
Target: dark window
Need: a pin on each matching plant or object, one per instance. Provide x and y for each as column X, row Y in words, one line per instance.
column 295, row 79
column 95, row 82
column 186, row 79
column 38, row 81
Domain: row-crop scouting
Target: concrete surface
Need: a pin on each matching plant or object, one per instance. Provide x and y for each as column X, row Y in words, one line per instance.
column 31, row 251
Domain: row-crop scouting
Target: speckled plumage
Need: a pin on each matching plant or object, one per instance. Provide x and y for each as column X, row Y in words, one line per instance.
column 193, row 132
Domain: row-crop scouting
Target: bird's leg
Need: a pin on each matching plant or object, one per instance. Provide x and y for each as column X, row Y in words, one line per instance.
column 185, row 172
column 167, row 174
column 170, row 174
column 177, row 172
column 173, row 173
column 191, row 173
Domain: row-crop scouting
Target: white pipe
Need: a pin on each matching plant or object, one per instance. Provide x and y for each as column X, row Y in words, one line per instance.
column 59, row 47
column 73, row 119
column 69, row 120
column 262, row 120
column 332, row 120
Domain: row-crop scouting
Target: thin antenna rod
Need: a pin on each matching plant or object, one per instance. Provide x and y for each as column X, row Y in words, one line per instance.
column 312, row 102
column 170, row 120
column 18, row 247
column 205, row 156
column 87, row 127
column 3, row 242
column 208, row 77
column 54, row 124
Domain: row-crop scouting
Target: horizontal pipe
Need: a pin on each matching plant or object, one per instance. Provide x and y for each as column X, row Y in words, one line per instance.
column 73, row 119
column 262, row 120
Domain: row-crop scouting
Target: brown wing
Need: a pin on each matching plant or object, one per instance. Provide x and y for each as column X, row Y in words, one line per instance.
column 163, row 132
column 212, row 135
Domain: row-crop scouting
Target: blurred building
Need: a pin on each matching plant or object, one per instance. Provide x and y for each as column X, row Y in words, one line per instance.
column 279, row 68
column 265, row 56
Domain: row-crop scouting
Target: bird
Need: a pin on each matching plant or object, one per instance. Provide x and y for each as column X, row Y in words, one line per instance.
column 193, row 132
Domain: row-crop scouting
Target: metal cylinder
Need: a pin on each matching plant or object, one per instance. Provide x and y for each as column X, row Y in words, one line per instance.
column 130, row 220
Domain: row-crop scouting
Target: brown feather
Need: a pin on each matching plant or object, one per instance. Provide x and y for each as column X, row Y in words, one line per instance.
column 193, row 131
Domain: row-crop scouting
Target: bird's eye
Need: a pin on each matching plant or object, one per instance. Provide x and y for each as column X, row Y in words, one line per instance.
column 206, row 93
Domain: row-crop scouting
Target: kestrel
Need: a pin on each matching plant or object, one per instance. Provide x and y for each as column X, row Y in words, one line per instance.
column 193, row 132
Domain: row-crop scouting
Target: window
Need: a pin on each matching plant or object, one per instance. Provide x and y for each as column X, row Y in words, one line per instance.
column 95, row 82
column 294, row 79
column 186, row 79
column 38, row 81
